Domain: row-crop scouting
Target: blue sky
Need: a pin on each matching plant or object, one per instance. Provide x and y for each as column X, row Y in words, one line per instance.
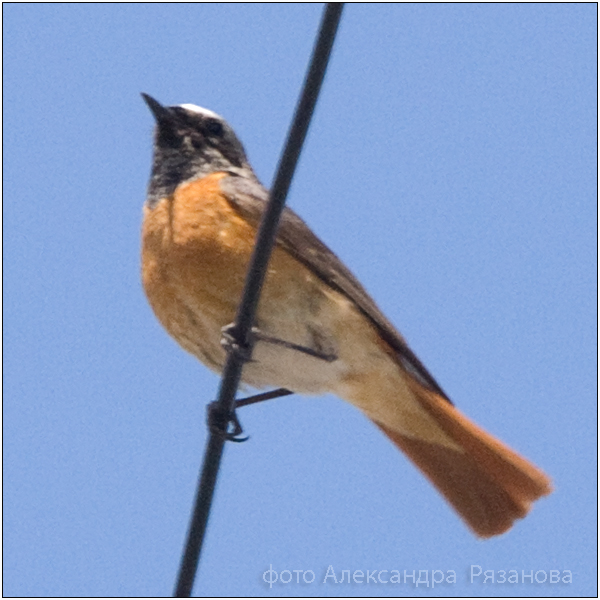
column 451, row 164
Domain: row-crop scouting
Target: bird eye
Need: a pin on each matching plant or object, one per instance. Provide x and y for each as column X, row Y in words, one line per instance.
column 214, row 127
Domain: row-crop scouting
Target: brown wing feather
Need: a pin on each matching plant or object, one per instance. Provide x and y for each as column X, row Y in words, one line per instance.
column 249, row 199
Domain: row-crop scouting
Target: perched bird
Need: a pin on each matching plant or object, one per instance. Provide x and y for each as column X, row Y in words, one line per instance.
column 317, row 330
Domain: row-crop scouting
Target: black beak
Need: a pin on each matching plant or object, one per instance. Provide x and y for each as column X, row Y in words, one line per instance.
column 161, row 113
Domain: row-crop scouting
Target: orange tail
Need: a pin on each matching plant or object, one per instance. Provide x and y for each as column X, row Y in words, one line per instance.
column 488, row 484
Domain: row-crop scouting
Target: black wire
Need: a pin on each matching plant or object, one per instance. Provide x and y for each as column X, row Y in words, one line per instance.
column 254, row 280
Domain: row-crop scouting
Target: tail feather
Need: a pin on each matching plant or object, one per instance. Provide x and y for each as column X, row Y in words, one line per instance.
column 488, row 484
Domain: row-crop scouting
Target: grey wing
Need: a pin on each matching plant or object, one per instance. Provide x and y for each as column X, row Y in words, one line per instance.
column 249, row 199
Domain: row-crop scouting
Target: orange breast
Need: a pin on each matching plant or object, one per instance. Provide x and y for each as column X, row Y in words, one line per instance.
column 195, row 252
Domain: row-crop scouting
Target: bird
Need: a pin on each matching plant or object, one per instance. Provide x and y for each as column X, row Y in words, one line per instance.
column 317, row 330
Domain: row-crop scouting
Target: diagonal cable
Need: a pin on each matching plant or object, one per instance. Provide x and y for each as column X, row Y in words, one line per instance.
column 254, row 281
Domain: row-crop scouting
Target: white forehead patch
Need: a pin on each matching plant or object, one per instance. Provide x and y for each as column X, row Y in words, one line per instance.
column 201, row 111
